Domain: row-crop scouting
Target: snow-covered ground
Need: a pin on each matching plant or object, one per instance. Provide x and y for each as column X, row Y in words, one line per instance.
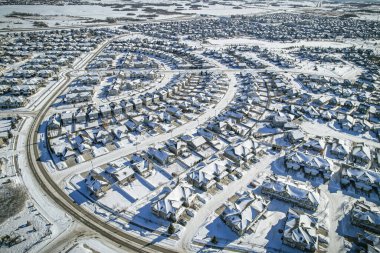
column 44, row 225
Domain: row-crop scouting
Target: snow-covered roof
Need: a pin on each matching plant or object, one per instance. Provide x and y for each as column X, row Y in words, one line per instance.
column 366, row 213
column 292, row 189
column 301, row 228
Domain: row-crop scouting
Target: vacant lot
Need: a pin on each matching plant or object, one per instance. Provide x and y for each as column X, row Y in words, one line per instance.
column 12, row 200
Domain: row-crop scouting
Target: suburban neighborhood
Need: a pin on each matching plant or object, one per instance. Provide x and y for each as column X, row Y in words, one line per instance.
column 191, row 126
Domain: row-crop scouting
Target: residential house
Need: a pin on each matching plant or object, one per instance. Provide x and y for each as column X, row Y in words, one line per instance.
column 141, row 165
column 243, row 152
column 96, row 183
column 295, row 136
column 207, row 176
column 242, row 214
column 174, row 203
column 301, row 231
column 177, row 147
column 121, row 175
column 340, row 149
column 160, row 156
column 360, row 154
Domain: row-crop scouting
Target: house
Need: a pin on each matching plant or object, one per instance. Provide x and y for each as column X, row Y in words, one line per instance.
column 103, row 136
column 165, row 117
column 119, row 132
column 96, row 183
column 141, row 166
column 279, row 121
column 359, row 126
column 177, row 147
column 328, row 115
column 243, row 152
column 201, row 179
column 23, row 90
column 147, row 99
column 311, row 112
column 81, row 97
column 301, row 231
column 340, row 149
column 174, row 203
column 207, row 176
column 163, row 95
column 291, row 191
column 208, row 135
column 160, row 156
column 368, row 241
column 93, row 113
column 84, row 147
column 242, row 214
column 117, row 110
column 137, row 104
column 360, row 154
column 196, row 143
column 127, row 106
column 174, row 111
column 62, row 149
column 345, row 121
column 80, row 117
column 105, row 111
column 315, row 144
column 295, row 136
column 7, row 102
column 122, row 174
column 80, row 89
column 366, row 216
column 54, row 122
column 217, row 127
column 88, row 80
column 67, row 118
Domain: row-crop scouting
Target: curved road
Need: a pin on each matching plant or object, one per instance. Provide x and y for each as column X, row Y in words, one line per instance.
column 52, row 189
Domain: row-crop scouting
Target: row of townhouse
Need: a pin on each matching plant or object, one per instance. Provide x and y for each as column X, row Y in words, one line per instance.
column 81, row 89
column 364, row 180
column 309, row 164
column 7, row 102
column 288, row 190
column 366, row 216
column 88, row 113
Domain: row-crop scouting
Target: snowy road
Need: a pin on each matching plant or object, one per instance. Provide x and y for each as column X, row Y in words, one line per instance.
column 211, row 205
column 111, row 156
